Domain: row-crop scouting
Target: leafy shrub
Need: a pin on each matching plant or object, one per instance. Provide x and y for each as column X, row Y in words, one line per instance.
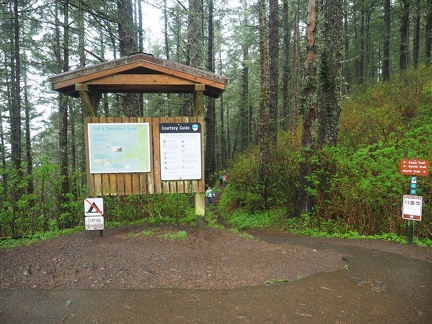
column 242, row 220
column 244, row 190
column 170, row 207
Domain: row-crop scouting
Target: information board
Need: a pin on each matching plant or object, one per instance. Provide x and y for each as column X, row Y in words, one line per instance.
column 180, row 149
column 119, row 147
column 412, row 207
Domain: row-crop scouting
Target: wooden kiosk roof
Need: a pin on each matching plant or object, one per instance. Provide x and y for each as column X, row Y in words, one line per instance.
column 138, row 73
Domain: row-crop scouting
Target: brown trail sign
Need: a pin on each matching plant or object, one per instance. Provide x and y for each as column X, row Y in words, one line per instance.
column 414, row 167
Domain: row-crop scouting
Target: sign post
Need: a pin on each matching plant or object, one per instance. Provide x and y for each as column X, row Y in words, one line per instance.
column 412, row 204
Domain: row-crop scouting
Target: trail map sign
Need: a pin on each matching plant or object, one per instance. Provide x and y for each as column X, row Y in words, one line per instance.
column 412, row 207
column 180, row 149
column 119, row 147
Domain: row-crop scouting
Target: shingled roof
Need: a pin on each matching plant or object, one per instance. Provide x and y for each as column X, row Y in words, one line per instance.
column 139, row 73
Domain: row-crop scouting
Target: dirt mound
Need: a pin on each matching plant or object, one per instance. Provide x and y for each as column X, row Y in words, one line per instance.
column 153, row 257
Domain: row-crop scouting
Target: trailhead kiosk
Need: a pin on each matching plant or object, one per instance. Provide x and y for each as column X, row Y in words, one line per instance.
column 151, row 155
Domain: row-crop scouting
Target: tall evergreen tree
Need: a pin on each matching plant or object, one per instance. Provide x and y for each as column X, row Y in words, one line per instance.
column 273, row 79
column 386, row 42
column 293, row 114
column 309, row 105
column 330, row 77
column 264, row 132
column 128, row 45
column 404, row 35
column 428, row 32
column 210, row 112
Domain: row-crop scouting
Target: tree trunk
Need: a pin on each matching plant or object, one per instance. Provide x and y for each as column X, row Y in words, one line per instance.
column 194, row 52
column 309, row 106
column 330, row 78
column 404, row 35
column 63, row 113
column 166, row 38
column 264, row 143
column 416, row 40
column 386, row 43
column 14, row 180
column 362, row 49
column 28, row 146
column 195, row 34
column 2, row 154
column 15, row 111
column 210, row 153
column 285, row 111
column 293, row 120
column 428, row 33
column 273, row 79
column 127, row 45
column 244, row 106
column 222, row 137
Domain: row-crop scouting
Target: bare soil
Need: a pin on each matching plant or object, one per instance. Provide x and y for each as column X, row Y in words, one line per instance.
column 155, row 257
column 214, row 276
column 176, row 274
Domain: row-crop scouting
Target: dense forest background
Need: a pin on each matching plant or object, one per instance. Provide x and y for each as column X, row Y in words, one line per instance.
column 324, row 99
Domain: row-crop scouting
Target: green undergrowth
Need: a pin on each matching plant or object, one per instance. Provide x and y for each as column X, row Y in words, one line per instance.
column 42, row 236
column 310, row 226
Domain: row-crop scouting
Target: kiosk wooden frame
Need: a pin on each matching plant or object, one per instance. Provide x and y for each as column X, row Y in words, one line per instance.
column 141, row 73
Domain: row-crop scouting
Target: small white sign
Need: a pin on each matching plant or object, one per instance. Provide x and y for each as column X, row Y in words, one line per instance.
column 93, row 206
column 94, row 223
column 412, row 207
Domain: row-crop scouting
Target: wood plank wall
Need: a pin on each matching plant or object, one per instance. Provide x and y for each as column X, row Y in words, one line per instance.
column 118, row 184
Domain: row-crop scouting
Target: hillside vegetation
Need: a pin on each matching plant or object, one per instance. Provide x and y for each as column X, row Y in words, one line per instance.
column 356, row 187
column 363, row 188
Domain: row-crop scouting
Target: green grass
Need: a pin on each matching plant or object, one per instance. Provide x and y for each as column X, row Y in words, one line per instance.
column 148, row 232
column 174, row 236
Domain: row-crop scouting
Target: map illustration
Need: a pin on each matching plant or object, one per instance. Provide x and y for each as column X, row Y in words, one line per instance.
column 119, row 147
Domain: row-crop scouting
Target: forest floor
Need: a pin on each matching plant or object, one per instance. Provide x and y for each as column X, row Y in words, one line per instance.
column 142, row 274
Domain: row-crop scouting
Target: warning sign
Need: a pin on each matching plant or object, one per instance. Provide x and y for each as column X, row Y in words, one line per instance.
column 93, row 206
column 94, row 223
column 412, row 207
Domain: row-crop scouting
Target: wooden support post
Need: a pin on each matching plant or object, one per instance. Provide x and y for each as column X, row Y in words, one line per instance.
column 200, row 196
column 199, row 213
column 199, row 99
column 90, row 99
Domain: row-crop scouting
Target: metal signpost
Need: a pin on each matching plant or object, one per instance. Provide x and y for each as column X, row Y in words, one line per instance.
column 412, row 204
